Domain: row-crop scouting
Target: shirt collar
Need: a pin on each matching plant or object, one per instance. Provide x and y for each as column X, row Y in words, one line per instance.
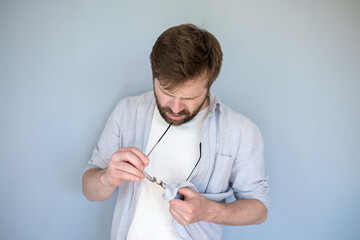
column 214, row 102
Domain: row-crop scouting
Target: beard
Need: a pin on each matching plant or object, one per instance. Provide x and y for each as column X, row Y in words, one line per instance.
column 187, row 115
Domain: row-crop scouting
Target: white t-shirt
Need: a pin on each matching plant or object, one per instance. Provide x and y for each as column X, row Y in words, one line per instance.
column 171, row 161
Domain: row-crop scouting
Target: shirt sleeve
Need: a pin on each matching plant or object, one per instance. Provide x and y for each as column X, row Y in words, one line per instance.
column 248, row 173
column 108, row 142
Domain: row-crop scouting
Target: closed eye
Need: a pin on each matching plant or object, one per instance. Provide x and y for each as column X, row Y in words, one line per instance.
column 182, row 98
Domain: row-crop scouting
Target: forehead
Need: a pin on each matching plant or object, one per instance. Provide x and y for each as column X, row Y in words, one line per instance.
column 188, row 89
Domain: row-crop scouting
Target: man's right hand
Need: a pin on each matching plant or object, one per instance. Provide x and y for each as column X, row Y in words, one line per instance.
column 126, row 164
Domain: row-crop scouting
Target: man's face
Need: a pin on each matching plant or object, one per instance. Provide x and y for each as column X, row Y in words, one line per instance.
column 180, row 105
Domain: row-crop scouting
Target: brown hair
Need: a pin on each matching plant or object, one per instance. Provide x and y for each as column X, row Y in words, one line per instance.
column 185, row 52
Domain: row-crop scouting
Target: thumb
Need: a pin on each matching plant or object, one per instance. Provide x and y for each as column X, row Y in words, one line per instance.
column 187, row 192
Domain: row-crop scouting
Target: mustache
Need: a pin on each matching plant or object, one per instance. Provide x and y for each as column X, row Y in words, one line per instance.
column 182, row 112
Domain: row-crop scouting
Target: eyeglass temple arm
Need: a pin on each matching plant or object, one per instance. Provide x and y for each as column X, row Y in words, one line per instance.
column 148, row 177
column 159, row 140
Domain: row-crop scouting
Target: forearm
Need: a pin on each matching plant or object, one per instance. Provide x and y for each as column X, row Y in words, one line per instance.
column 93, row 188
column 239, row 212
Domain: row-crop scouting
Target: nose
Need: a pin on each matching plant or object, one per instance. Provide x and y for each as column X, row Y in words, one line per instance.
column 176, row 105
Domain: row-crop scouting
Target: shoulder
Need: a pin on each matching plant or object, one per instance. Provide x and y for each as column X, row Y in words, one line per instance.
column 236, row 130
column 235, row 120
column 230, row 119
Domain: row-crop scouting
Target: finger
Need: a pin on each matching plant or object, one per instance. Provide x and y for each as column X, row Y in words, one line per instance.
column 178, row 204
column 120, row 167
column 130, row 157
column 127, row 176
column 177, row 216
column 181, row 217
column 139, row 154
column 116, row 177
column 187, row 192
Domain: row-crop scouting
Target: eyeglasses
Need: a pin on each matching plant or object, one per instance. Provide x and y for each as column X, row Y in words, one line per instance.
column 154, row 179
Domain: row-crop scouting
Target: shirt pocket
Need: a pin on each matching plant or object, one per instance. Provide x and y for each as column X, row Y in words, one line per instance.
column 220, row 176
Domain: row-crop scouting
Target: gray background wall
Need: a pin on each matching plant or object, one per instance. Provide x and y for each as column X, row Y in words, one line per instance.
column 293, row 67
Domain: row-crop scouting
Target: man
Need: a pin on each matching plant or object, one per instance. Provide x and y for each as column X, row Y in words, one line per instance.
column 179, row 134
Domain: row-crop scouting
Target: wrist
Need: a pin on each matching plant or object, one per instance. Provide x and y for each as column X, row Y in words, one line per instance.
column 102, row 179
column 213, row 209
column 106, row 182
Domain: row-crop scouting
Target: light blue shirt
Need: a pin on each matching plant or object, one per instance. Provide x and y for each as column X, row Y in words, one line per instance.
column 232, row 162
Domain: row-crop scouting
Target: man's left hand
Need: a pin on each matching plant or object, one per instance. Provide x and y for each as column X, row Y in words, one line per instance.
column 194, row 208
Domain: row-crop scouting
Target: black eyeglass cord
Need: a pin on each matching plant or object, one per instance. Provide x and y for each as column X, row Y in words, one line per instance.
column 196, row 163
column 154, row 179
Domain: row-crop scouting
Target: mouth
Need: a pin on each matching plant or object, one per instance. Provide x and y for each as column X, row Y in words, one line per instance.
column 175, row 117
